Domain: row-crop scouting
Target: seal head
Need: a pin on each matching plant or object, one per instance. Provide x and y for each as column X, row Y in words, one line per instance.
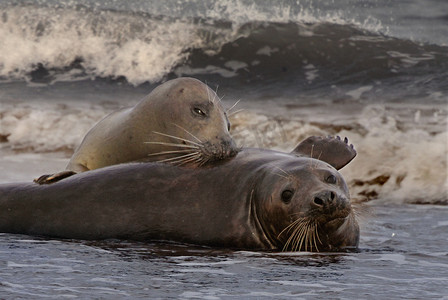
column 192, row 124
column 310, row 204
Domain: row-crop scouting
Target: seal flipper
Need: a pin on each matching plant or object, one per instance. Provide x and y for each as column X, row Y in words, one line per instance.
column 334, row 151
column 51, row 178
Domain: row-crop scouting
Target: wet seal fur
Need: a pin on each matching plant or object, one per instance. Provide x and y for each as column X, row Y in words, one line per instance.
column 260, row 199
column 181, row 121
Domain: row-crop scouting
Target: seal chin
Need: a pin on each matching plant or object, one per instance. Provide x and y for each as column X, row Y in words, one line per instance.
column 341, row 233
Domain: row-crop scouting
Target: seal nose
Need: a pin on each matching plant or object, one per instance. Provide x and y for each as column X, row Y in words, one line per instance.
column 325, row 199
column 229, row 148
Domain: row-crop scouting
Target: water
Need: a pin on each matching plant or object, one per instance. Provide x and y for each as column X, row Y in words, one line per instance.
column 398, row 259
column 374, row 71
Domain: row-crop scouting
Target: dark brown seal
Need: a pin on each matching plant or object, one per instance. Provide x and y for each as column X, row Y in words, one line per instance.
column 259, row 199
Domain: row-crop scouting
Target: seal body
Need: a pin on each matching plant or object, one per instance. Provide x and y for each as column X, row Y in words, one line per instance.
column 259, row 199
column 181, row 120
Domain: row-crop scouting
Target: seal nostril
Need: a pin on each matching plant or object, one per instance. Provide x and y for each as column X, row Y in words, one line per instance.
column 332, row 195
column 318, row 201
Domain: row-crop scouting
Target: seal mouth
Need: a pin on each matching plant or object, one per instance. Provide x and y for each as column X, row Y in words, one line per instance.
column 315, row 234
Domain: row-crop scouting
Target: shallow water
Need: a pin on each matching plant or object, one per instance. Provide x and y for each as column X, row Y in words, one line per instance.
column 398, row 258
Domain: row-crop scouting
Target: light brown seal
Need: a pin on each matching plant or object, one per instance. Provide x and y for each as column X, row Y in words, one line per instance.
column 181, row 121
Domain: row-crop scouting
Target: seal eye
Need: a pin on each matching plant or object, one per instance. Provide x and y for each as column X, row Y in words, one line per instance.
column 331, row 179
column 199, row 112
column 287, row 196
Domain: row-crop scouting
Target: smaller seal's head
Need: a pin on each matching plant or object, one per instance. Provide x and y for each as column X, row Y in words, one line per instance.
column 194, row 125
column 307, row 207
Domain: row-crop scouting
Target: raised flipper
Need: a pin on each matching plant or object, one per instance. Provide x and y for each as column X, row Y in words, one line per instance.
column 332, row 150
column 51, row 178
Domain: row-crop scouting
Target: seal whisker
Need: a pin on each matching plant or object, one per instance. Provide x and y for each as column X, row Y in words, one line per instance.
column 318, row 158
column 173, row 144
column 296, row 234
column 233, row 106
column 311, row 155
column 291, row 237
column 288, row 242
column 216, row 94
column 297, row 228
column 186, row 160
column 311, row 238
column 235, row 112
column 178, row 138
column 306, row 236
column 297, row 245
column 315, row 233
column 220, row 98
column 289, row 226
column 195, row 137
column 178, row 157
column 283, row 171
column 208, row 95
column 304, row 241
column 170, row 152
column 281, row 175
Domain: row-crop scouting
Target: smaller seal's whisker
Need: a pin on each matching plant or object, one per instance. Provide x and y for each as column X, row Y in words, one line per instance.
column 195, row 137
column 233, row 106
column 178, row 157
column 235, row 112
column 187, row 160
column 203, row 161
column 170, row 152
column 281, row 175
column 216, row 94
column 220, row 98
column 178, row 138
column 174, row 145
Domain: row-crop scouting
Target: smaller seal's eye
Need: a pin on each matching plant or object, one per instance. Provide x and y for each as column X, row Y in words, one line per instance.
column 331, row 179
column 287, row 196
column 199, row 112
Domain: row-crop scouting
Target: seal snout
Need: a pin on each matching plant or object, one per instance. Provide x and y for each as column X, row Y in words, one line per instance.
column 221, row 150
column 324, row 198
column 229, row 148
column 330, row 202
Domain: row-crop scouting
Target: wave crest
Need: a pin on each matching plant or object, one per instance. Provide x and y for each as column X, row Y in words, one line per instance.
column 49, row 44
